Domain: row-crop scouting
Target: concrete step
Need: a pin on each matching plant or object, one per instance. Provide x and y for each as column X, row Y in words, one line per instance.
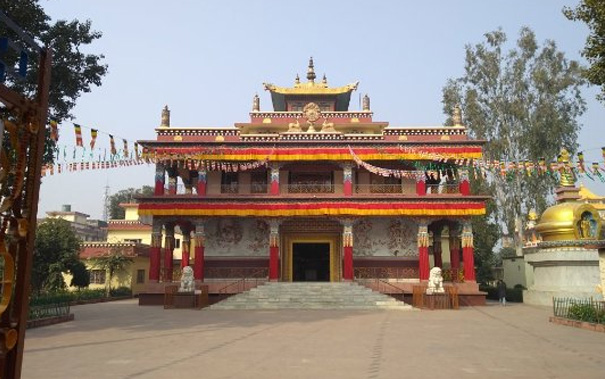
column 314, row 295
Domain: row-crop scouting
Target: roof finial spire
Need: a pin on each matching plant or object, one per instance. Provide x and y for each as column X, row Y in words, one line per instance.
column 165, row 117
column 457, row 115
column 324, row 80
column 297, row 80
column 311, row 71
column 256, row 103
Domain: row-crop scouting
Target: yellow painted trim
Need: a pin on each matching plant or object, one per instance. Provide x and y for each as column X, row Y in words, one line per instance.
column 332, row 239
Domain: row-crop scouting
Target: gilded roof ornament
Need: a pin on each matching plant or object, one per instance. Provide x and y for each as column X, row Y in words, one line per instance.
column 457, row 115
column 165, row 117
column 567, row 177
column 324, row 80
column 365, row 104
column 256, row 103
column 297, row 80
column 311, row 71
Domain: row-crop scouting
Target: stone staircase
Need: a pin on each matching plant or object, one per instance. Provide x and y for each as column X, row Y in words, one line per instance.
column 311, row 295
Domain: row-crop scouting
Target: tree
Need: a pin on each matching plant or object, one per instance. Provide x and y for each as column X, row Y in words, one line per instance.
column 125, row 196
column 56, row 251
column 73, row 72
column 114, row 262
column 592, row 12
column 525, row 103
column 80, row 275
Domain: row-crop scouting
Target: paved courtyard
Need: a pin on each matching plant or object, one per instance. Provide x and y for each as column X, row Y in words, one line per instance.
column 123, row 340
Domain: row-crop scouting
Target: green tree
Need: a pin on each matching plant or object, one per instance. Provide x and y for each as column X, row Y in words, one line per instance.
column 125, row 196
column 56, row 251
column 80, row 275
column 524, row 102
column 113, row 263
column 73, row 72
column 592, row 12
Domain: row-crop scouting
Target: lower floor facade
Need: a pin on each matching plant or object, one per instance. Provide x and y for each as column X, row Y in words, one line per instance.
column 294, row 249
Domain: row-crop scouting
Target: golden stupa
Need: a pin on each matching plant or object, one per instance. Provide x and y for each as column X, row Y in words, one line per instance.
column 569, row 219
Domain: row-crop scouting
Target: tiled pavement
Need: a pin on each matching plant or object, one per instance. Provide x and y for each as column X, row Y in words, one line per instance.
column 123, row 340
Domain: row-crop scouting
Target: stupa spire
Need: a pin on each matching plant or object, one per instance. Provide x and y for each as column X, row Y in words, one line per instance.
column 311, row 71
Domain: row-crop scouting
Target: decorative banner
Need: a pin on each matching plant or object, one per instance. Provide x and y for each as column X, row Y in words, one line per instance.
column 93, row 138
column 125, row 148
column 112, row 145
column 78, row 130
column 54, row 129
column 136, row 150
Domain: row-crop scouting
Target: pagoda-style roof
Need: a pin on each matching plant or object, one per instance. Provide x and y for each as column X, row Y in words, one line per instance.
column 342, row 94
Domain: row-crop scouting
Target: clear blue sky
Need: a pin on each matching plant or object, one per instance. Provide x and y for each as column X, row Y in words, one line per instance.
column 207, row 59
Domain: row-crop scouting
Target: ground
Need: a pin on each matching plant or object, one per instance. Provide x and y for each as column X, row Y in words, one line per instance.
column 123, row 340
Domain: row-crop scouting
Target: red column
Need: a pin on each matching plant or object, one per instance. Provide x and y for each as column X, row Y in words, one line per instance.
column 201, row 183
column 467, row 252
column 274, row 251
column 347, row 239
column 348, row 181
column 198, row 264
column 420, row 184
column 465, row 185
column 274, row 180
column 185, row 248
column 154, row 256
column 454, row 254
column 159, row 179
column 423, row 252
column 168, row 253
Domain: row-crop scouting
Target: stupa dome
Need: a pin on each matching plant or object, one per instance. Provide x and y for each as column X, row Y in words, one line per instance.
column 569, row 221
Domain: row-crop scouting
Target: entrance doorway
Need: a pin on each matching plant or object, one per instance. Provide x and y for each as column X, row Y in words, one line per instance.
column 311, row 262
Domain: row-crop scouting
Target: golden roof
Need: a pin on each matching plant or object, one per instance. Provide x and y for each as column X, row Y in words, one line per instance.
column 586, row 194
column 311, row 88
column 568, row 221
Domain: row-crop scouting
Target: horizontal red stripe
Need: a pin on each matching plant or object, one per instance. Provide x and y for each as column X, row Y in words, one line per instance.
column 280, row 206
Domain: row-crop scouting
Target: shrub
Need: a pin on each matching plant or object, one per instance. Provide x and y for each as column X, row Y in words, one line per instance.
column 586, row 312
column 121, row 292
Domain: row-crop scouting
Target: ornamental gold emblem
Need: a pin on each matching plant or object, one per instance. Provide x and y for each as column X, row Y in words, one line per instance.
column 312, row 112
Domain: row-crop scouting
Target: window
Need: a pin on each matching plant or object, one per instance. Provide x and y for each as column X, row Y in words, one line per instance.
column 140, row 276
column 97, row 276
column 229, row 182
column 177, row 243
column 258, row 182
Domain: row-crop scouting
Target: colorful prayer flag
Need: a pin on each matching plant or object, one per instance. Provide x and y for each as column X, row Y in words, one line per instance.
column 78, row 130
column 125, row 148
column 112, row 144
column 93, row 138
column 54, row 130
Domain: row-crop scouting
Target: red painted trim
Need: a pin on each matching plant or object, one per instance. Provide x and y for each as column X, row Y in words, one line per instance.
column 154, row 264
column 469, row 263
column 423, row 262
column 198, row 263
column 437, row 254
column 273, row 263
column 348, row 263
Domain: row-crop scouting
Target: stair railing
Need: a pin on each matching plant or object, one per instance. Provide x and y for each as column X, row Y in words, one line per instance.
column 242, row 284
column 382, row 286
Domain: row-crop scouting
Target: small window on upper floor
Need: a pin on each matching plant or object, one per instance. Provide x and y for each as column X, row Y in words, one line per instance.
column 229, row 182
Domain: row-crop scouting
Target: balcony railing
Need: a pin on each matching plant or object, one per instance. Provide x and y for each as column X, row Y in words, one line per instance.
column 258, row 188
column 310, row 188
column 432, row 189
column 229, row 188
column 378, row 188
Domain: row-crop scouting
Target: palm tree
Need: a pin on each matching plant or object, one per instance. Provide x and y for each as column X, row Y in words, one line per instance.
column 114, row 262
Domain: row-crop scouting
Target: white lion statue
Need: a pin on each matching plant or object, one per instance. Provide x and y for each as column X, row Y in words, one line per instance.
column 187, row 283
column 435, row 281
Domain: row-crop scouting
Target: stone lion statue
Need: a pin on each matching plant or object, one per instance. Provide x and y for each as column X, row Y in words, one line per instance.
column 187, row 283
column 435, row 281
